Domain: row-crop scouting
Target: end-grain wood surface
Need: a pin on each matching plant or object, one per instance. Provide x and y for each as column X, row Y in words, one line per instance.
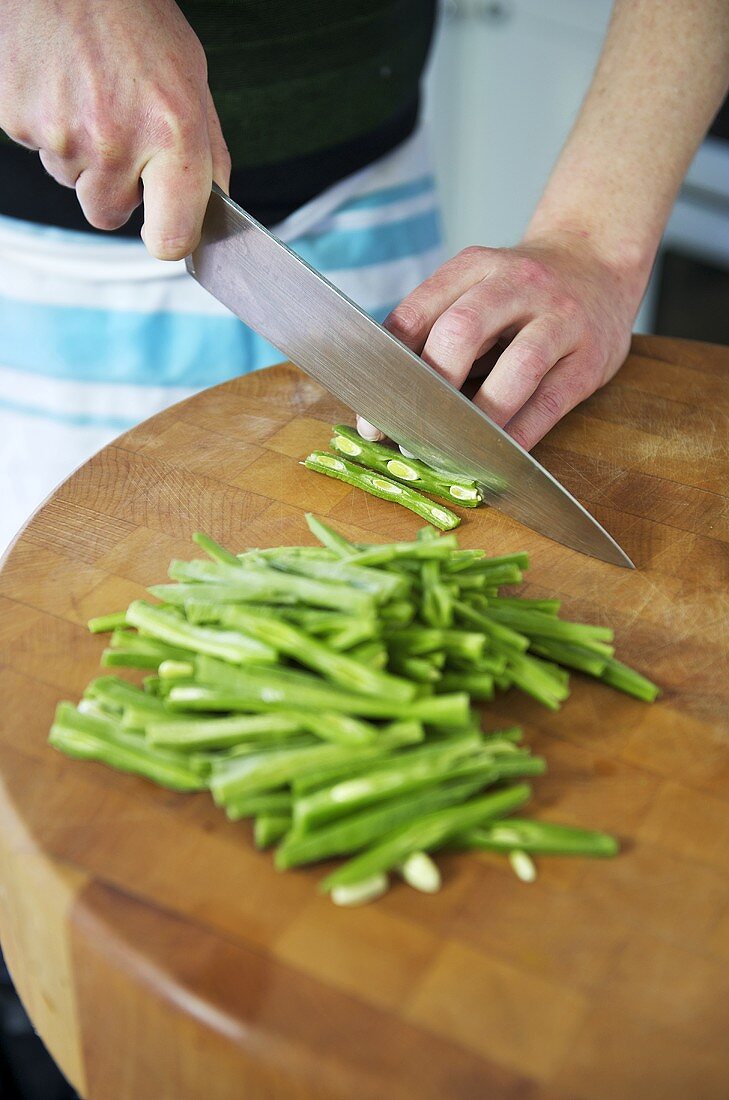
column 163, row 958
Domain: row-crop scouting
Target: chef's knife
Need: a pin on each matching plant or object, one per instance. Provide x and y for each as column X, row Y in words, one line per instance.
column 291, row 305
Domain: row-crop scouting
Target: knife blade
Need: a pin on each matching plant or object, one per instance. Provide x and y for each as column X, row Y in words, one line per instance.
column 276, row 293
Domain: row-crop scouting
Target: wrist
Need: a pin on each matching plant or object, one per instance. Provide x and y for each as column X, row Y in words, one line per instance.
column 627, row 256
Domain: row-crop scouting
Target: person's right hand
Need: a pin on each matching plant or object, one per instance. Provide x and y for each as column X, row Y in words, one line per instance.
column 111, row 94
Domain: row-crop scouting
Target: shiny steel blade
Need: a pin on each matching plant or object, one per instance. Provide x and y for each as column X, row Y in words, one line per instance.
column 290, row 304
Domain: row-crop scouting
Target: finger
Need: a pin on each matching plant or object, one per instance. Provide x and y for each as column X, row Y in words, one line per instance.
column 521, row 367
column 369, row 431
column 565, row 386
column 412, row 320
column 64, row 170
column 218, row 148
column 107, row 198
column 469, row 328
column 176, row 192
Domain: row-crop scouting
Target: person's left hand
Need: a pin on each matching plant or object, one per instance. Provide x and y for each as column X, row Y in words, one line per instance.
column 566, row 313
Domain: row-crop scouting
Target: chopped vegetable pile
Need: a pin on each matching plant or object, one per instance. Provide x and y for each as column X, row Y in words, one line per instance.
column 326, row 692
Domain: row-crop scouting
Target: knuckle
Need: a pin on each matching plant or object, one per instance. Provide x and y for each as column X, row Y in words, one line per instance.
column 176, row 117
column 459, row 324
column 530, row 360
column 472, row 252
column 58, row 139
column 568, row 308
column 408, row 322
column 103, row 139
column 533, row 272
column 550, row 403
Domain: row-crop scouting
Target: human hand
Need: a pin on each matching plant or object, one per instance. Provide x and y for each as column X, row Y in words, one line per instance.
column 112, row 94
column 566, row 313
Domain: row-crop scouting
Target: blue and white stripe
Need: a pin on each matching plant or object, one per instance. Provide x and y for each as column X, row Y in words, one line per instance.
column 95, row 335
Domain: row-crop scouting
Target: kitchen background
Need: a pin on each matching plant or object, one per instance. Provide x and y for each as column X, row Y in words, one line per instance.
column 505, row 81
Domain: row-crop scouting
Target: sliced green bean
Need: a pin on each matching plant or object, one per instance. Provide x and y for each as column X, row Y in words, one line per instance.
column 248, row 775
column 626, row 679
column 539, row 837
column 357, row 830
column 90, row 738
column 425, row 834
column 213, row 548
column 329, row 538
column 268, row 828
column 383, row 487
column 227, row 644
column 221, row 733
column 103, row 624
column 407, row 771
column 269, row 586
column 277, row 635
column 377, row 456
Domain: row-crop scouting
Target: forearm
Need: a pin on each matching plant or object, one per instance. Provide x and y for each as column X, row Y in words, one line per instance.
column 662, row 75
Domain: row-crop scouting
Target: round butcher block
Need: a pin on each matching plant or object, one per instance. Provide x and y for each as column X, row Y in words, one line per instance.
column 162, row 957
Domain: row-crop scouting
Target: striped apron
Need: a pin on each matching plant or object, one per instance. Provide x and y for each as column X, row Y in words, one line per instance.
column 96, row 335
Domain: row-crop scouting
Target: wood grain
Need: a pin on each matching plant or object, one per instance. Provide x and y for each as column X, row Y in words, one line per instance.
column 162, row 957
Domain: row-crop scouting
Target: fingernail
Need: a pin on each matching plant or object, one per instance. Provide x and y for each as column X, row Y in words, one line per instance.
column 368, row 431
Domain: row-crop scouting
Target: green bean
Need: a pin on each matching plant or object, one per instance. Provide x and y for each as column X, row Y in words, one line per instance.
column 359, row 893
column 103, row 624
column 248, row 775
column 570, row 654
column 540, row 837
column 626, row 679
column 477, row 561
column 383, row 487
column 91, row 738
column 276, row 635
column 501, row 636
column 329, row 538
column 406, row 772
column 268, row 828
column 386, row 553
column 547, row 607
column 417, row 641
column 424, row 834
column 228, row 644
column 250, row 805
column 213, row 548
column 382, row 586
column 537, row 624
column 356, row 830
column 220, row 733
column 421, row 872
column 111, row 690
column 248, row 688
column 536, row 678
column 436, row 605
column 269, row 586
column 479, row 685
column 371, row 653
column 376, row 456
